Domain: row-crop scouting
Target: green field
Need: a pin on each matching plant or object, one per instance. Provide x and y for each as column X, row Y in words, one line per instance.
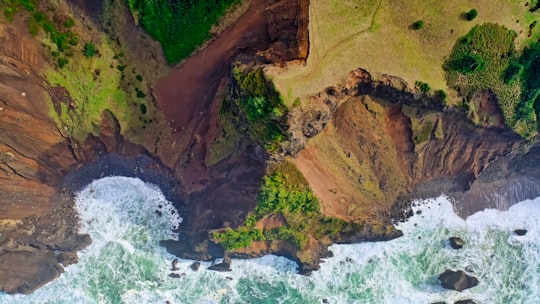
column 378, row 35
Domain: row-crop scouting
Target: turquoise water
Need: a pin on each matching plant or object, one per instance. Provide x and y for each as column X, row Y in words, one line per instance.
column 125, row 263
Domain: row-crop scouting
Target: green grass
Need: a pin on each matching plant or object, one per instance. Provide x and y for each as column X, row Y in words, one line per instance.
column 486, row 58
column 377, row 36
column 284, row 191
column 93, row 94
column 57, row 30
column 180, row 26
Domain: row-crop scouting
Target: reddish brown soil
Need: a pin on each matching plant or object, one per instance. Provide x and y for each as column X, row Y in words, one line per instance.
column 190, row 98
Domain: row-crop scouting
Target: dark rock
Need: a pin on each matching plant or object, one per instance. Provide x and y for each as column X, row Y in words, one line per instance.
column 456, row 243
column 468, row 301
column 176, row 275
column 438, row 303
column 221, row 267
column 173, row 264
column 325, row 301
column 457, row 280
column 195, row 266
column 224, row 266
column 520, row 232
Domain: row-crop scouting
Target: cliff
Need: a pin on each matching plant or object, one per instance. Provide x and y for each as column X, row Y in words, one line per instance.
column 365, row 147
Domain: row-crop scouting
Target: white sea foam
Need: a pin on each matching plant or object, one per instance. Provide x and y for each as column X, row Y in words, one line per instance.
column 125, row 263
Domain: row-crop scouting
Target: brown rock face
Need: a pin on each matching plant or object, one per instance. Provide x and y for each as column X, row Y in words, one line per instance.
column 19, row 271
column 38, row 159
column 374, row 142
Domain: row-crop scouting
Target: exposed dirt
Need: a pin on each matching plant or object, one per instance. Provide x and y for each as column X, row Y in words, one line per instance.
column 190, row 96
column 365, row 159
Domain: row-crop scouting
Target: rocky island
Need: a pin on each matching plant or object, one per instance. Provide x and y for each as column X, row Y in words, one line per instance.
column 276, row 132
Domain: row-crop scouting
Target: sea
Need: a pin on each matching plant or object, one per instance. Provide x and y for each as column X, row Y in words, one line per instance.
column 126, row 264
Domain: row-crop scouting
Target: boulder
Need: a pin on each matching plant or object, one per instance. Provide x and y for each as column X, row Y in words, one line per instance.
column 173, row 265
column 520, row 232
column 468, row 301
column 457, row 280
column 224, row 266
column 456, row 243
column 195, row 266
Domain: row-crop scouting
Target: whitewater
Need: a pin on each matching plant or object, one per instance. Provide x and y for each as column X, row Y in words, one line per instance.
column 125, row 263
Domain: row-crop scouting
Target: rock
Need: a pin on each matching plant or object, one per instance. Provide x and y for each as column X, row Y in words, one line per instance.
column 224, row 266
column 67, row 258
column 24, row 271
column 457, row 280
column 520, row 232
column 438, row 302
column 456, row 243
column 176, row 275
column 195, row 266
column 173, row 264
column 325, row 301
column 468, row 301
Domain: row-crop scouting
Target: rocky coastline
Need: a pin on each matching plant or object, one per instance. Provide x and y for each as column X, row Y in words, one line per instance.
column 42, row 167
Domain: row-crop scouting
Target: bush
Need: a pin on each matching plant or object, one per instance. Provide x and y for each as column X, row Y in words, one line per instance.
column 89, row 50
column 263, row 107
column 471, row 15
column 62, row 62
column 422, row 86
column 418, row 25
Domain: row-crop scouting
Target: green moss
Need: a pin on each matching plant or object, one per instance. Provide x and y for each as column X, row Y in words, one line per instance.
column 257, row 100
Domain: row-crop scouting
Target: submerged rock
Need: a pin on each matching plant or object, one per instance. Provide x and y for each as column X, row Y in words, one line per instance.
column 520, row 232
column 456, row 242
column 457, row 280
column 468, row 301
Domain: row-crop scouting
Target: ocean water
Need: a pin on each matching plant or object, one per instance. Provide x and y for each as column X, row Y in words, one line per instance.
column 125, row 263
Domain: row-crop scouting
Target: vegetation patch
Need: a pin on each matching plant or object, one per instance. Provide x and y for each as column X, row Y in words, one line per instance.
column 486, row 58
column 285, row 191
column 180, row 26
column 260, row 106
column 58, row 28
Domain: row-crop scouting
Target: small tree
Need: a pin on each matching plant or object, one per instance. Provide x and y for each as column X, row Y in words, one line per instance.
column 418, row 24
column 472, row 14
column 89, row 50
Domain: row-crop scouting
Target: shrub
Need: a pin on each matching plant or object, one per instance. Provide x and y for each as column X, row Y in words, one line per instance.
column 89, row 50
column 422, row 86
column 471, row 15
column 418, row 25
column 62, row 62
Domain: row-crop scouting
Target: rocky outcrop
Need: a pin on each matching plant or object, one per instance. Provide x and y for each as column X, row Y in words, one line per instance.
column 457, row 280
column 520, row 232
column 456, row 243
